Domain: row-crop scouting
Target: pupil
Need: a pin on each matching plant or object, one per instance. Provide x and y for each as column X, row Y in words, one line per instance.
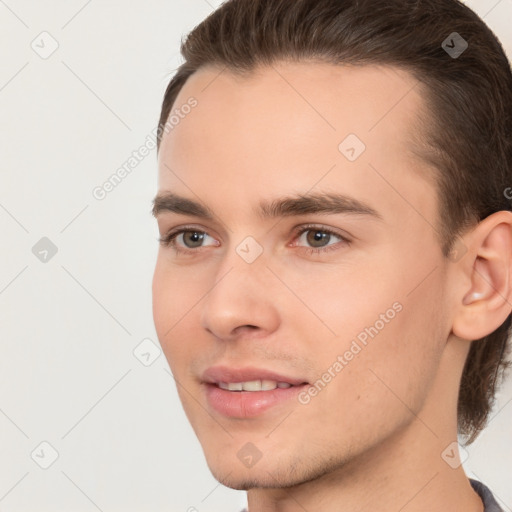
column 195, row 236
column 318, row 236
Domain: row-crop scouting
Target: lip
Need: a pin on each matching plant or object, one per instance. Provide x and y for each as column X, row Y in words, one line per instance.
column 216, row 374
column 247, row 404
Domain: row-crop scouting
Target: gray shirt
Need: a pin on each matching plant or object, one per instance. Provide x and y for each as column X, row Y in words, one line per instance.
column 490, row 503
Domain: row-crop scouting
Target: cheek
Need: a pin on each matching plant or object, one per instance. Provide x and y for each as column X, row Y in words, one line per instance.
column 398, row 362
column 389, row 337
column 173, row 300
column 376, row 384
column 342, row 298
column 176, row 290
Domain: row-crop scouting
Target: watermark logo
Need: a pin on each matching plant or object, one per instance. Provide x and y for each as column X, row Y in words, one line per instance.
column 44, row 455
column 454, row 45
column 454, row 455
column 249, row 250
column 45, row 45
column 249, row 455
column 352, row 147
column 44, row 250
column 147, row 352
column 457, row 251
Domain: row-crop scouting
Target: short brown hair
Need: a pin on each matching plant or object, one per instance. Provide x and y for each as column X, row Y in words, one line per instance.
column 468, row 133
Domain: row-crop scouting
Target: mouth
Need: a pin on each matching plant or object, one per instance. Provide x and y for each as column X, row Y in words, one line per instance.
column 251, row 378
column 248, row 392
column 254, row 385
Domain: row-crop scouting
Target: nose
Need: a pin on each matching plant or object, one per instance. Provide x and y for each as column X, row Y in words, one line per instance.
column 241, row 301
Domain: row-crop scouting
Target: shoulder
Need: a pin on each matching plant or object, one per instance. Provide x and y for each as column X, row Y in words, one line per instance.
column 490, row 503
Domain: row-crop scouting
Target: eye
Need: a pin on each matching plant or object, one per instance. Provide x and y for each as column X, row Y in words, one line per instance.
column 190, row 238
column 319, row 239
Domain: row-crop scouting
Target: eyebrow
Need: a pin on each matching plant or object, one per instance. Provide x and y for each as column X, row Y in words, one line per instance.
column 300, row 204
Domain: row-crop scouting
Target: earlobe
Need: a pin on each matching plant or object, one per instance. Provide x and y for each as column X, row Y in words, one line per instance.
column 472, row 297
column 486, row 303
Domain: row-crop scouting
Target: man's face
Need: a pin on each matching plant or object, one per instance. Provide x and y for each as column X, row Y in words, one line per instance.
column 360, row 320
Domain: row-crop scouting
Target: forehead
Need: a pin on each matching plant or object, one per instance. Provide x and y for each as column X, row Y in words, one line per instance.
column 290, row 127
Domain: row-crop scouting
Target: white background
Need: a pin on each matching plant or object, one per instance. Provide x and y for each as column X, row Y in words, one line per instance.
column 68, row 327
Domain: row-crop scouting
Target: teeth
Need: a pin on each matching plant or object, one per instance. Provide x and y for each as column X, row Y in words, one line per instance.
column 253, row 385
column 267, row 385
column 231, row 387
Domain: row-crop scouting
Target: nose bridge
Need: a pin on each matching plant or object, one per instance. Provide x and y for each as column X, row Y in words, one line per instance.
column 246, row 260
column 241, row 293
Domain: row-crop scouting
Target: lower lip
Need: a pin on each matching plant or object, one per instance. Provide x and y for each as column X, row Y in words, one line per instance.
column 248, row 404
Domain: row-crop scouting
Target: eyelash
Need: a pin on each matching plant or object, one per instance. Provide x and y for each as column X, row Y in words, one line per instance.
column 169, row 240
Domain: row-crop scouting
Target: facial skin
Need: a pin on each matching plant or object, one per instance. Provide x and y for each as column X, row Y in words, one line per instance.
column 372, row 439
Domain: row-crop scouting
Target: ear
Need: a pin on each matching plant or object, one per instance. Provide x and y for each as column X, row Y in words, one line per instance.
column 485, row 277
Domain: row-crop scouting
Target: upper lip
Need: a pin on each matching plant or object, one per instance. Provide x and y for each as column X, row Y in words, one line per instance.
column 216, row 374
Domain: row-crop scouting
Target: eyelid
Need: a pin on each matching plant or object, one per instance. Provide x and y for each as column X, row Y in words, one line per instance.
column 345, row 240
column 299, row 230
column 170, row 236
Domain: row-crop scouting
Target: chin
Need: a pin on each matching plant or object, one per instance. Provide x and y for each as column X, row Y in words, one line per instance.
column 269, row 474
column 236, row 476
column 243, row 480
column 229, row 471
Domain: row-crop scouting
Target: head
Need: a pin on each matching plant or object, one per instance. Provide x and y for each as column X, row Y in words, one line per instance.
column 406, row 294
